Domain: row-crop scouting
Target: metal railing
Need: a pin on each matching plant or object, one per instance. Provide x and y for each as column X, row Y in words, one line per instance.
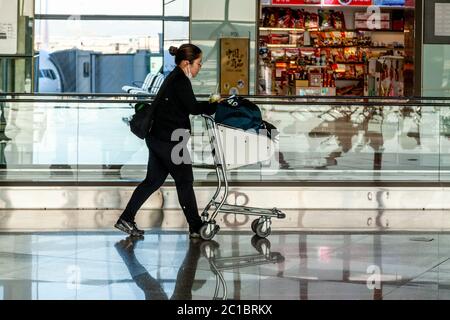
column 85, row 138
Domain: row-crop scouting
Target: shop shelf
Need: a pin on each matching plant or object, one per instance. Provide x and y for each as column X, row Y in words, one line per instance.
column 348, row 30
column 331, row 47
column 349, row 79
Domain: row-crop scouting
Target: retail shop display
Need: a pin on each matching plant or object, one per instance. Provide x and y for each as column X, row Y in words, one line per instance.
column 334, row 49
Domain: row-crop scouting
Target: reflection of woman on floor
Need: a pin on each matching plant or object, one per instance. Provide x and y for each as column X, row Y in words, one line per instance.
column 3, row 137
column 3, row 140
column 149, row 285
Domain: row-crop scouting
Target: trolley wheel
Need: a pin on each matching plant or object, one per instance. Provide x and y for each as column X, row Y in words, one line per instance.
column 205, row 215
column 262, row 245
column 276, row 257
column 208, row 248
column 259, row 230
column 254, row 224
column 206, row 234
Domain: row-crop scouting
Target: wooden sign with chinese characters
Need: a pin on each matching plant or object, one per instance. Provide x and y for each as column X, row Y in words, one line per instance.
column 234, row 65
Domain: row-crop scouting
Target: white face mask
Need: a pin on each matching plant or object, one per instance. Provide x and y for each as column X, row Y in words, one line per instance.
column 189, row 74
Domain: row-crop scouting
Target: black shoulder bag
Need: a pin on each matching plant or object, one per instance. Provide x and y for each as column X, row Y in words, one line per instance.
column 142, row 120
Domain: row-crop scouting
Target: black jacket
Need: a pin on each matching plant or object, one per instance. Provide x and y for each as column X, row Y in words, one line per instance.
column 176, row 104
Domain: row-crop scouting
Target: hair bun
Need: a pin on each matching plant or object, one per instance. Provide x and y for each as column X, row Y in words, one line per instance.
column 173, row 50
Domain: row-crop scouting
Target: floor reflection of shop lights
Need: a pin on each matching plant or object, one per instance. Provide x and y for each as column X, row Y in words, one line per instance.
column 380, row 277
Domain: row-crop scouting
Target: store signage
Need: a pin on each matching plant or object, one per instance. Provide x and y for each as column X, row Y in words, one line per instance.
column 348, row 2
column 436, row 22
column 441, row 22
column 296, row 2
column 234, row 66
column 399, row 3
column 8, row 26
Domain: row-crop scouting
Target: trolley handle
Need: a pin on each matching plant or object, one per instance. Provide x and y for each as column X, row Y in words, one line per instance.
column 208, row 117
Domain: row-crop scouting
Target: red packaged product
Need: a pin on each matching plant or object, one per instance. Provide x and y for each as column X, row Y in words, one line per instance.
column 299, row 21
column 272, row 20
column 313, row 21
column 325, row 21
column 279, row 39
column 288, row 19
column 338, row 20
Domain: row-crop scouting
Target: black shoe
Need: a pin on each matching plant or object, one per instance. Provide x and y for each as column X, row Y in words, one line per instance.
column 4, row 138
column 129, row 227
column 125, row 248
column 139, row 231
column 194, row 235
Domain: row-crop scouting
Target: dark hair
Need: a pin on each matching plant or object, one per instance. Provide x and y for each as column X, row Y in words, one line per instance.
column 186, row 51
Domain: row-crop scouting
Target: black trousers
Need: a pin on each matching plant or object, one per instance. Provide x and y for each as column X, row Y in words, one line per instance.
column 159, row 166
column 151, row 287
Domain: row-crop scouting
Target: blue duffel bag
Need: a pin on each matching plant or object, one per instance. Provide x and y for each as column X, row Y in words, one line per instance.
column 238, row 112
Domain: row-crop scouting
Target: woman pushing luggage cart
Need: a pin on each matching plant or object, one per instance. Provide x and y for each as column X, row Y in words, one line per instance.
column 169, row 114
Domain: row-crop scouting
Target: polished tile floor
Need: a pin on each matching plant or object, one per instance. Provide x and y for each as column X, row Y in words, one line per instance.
column 236, row 265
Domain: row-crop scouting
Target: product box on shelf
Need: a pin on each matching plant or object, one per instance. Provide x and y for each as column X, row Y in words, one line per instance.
column 315, row 79
column 315, row 91
column 297, row 38
column 301, row 83
column 278, row 39
column 398, row 21
column 363, row 15
column 368, row 20
column 367, row 24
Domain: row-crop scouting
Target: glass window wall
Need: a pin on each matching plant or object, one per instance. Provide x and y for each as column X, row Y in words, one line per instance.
column 176, row 8
column 67, row 139
column 100, row 7
column 102, row 46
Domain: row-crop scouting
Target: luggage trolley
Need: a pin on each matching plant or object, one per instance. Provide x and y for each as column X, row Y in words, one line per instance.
column 218, row 263
column 233, row 148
